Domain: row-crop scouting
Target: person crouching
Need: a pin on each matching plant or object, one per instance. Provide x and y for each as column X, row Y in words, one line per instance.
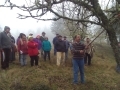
column 33, row 51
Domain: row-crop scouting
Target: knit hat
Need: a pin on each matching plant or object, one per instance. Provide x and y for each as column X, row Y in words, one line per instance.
column 37, row 36
column 30, row 37
column 6, row 27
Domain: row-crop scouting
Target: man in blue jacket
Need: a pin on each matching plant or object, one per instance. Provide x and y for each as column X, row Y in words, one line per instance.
column 54, row 41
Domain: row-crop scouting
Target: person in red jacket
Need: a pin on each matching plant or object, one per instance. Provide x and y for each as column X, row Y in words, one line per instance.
column 33, row 51
column 23, row 50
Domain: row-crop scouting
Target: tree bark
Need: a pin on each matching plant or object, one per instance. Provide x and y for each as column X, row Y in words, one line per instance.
column 111, row 32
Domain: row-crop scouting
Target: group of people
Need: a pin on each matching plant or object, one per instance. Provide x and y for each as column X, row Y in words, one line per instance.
column 41, row 47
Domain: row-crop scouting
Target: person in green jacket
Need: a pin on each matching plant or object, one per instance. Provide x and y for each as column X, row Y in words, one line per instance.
column 46, row 46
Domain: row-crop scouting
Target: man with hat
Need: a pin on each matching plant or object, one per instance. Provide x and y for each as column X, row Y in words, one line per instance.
column 67, row 47
column 5, row 47
column 61, row 48
column 42, row 38
column 54, row 41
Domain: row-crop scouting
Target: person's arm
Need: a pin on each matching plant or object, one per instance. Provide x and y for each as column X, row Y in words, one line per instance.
column 43, row 45
column 19, row 46
column 31, row 45
column 50, row 46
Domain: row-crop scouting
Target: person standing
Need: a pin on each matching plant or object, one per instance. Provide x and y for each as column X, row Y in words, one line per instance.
column 60, row 46
column 78, row 59
column 23, row 50
column 33, row 51
column 54, row 41
column 46, row 46
column 67, row 47
column 42, row 38
column 5, row 47
column 12, row 53
column 88, row 52
column 37, row 40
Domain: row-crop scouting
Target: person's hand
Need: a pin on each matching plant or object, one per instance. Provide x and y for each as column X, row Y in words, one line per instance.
column 81, row 51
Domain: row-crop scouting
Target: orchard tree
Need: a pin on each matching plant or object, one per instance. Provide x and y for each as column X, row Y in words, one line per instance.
column 71, row 10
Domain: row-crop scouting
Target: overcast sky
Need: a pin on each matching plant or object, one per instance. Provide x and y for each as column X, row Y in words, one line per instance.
column 8, row 18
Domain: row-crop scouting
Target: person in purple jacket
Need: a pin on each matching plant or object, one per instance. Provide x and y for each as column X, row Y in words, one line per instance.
column 37, row 40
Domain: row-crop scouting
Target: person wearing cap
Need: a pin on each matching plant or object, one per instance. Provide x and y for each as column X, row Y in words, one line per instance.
column 33, row 51
column 5, row 47
column 54, row 41
column 46, row 46
column 61, row 48
column 37, row 40
column 67, row 47
column 42, row 38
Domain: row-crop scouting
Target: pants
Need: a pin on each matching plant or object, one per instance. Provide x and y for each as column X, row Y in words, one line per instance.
column 55, row 51
column 12, row 55
column 66, row 54
column 78, row 64
column 42, row 54
column 5, row 57
column 60, row 58
column 34, row 58
column 46, row 53
column 23, row 59
column 87, row 58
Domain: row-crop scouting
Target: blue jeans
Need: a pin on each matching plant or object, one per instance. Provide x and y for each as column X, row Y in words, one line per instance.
column 78, row 64
column 23, row 59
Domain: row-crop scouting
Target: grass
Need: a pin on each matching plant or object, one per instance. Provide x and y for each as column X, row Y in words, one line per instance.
column 101, row 75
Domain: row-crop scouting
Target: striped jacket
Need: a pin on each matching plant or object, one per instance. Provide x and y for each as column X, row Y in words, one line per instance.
column 76, row 47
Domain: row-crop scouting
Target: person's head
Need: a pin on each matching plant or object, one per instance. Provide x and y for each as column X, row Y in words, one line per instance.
column 60, row 37
column 77, row 38
column 23, row 37
column 38, row 36
column 119, row 44
column 30, row 34
column 43, row 33
column 46, row 38
column 87, row 39
column 57, row 35
column 65, row 37
column 7, row 29
column 30, row 38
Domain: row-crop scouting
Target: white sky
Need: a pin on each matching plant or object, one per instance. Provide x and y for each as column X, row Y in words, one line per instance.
column 8, row 18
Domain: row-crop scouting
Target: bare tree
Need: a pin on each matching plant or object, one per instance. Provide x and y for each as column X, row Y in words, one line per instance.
column 96, row 15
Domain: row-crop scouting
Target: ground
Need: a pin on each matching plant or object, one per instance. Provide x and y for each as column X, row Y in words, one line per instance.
column 101, row 75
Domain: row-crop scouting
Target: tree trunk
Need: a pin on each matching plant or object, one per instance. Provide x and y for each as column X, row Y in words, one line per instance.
column 110, row 30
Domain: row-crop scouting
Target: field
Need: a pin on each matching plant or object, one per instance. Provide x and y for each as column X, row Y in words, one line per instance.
column 101, row 75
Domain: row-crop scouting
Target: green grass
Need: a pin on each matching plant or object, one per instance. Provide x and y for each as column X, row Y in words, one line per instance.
column 100, row 75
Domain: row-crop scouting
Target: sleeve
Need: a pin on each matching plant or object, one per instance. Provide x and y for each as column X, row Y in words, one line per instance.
column 43, row 45
column 56, row 45
column 50, row 46
column 53, row 40
column 19, row 46
column 40, row 44
column 0, row 40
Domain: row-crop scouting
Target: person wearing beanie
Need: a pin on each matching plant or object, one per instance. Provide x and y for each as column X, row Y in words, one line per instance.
column 5, row 47
column 33, row 51
column 38, row 41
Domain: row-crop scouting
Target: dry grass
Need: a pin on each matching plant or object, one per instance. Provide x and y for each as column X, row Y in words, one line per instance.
column 100, row 75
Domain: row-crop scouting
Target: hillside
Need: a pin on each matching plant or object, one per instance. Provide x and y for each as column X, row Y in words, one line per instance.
column 100, row 75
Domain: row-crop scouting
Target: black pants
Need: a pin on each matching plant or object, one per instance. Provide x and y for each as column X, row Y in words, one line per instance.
column 5, row 57
column 87, row 59
column 34, row 58
column 46, row 53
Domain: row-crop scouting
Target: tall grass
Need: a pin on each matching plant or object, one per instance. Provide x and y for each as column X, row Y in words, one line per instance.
column 100, row 75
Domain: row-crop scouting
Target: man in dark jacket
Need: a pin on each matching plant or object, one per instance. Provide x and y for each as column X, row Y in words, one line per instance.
column 61, row 48
column 5, row 47
column 54, row 41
